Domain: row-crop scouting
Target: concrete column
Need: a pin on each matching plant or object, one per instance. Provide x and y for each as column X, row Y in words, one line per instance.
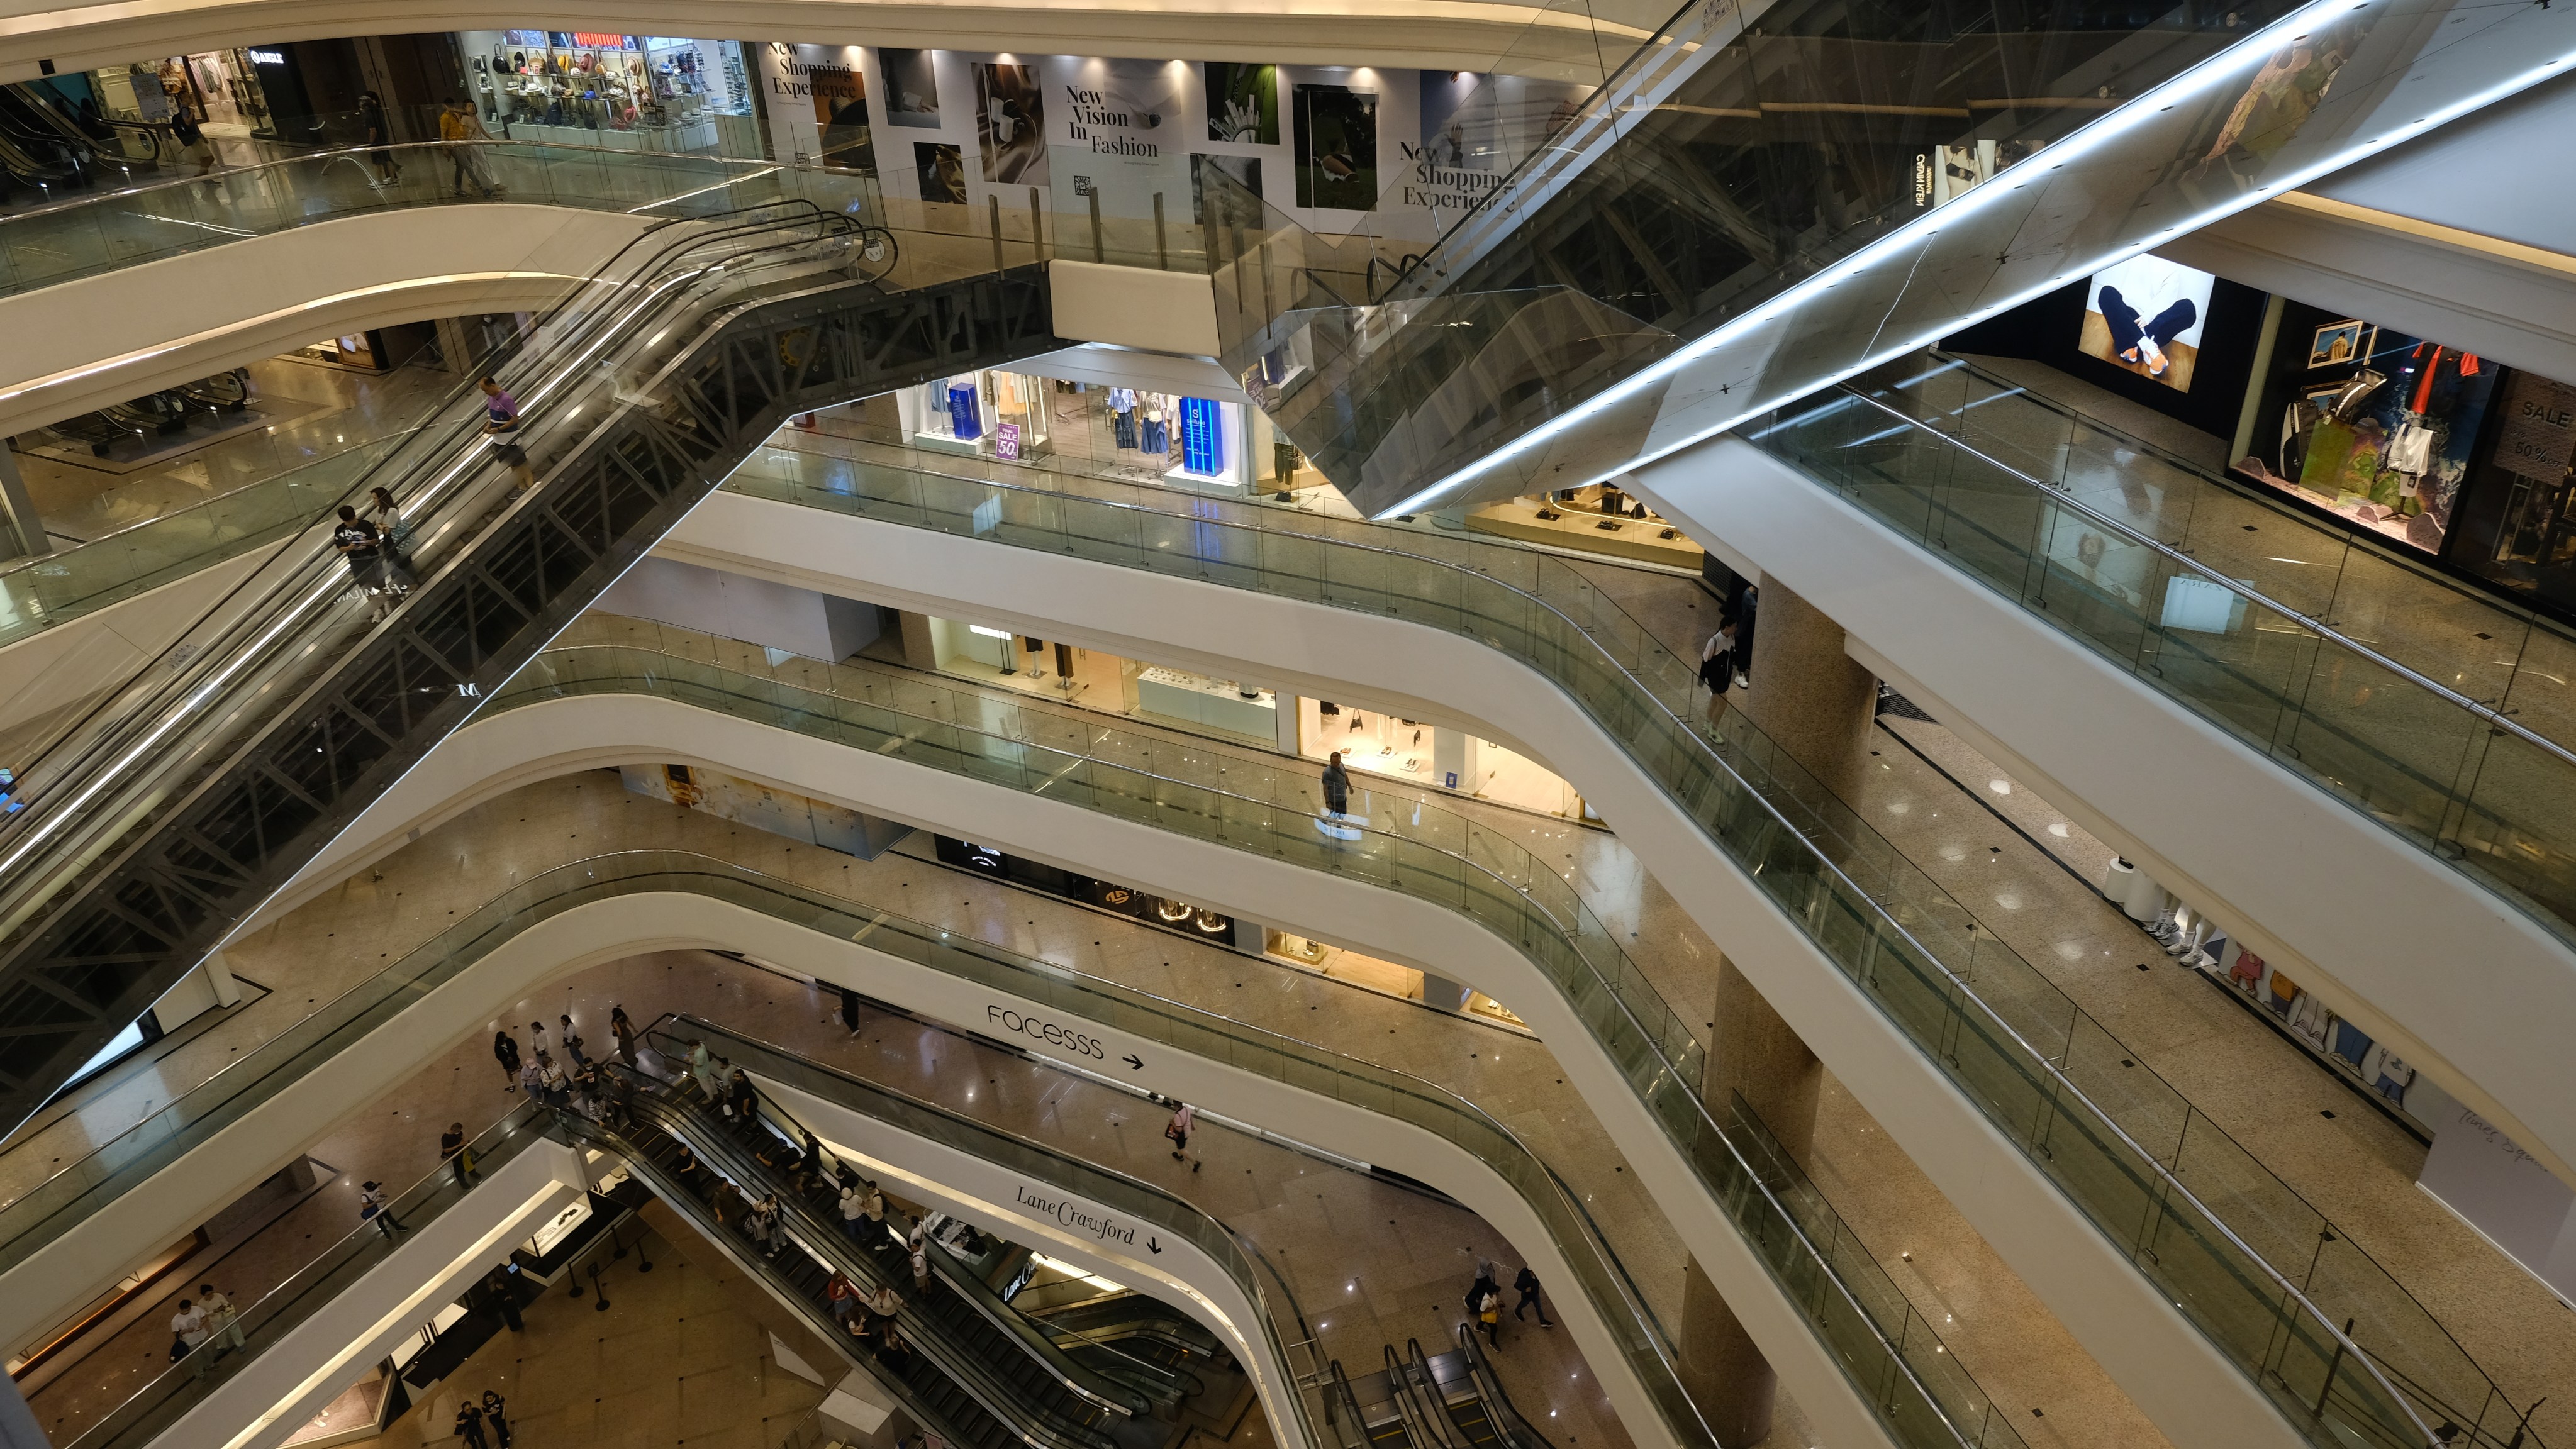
column 1725, row 1374
column 1443, row 993
column 1756, row 1054
column 1453, row 759
column 1753, row 1054
column 918, row 649
column 1285, row 726
column 22, row 532
column 1807, row 694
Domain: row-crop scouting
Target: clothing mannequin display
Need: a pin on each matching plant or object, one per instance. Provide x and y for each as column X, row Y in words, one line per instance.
column 1156, row 436
column 1122, row 413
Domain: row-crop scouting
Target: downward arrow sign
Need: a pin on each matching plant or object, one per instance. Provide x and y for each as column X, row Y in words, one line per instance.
column 1154, row 1243
column 1135, row 1062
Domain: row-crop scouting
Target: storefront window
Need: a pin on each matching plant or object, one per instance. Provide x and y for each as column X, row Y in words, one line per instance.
column 2376, row 425
column 989, row 414
column 1423, row 754
column 627, row 92
column 2518, row 516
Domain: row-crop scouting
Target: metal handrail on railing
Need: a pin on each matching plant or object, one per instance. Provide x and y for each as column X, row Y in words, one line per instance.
column 1251, row 1255
column 2065, row 498
column 2172, row 1184
column 1699, row 1108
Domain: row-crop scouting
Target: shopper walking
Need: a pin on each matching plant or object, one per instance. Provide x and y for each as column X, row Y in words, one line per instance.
column 380, row 138
column 374, row 1207
column 193, row 145
column 532, row 1080
column 188, row 1333
column 920, row 1267
column 537, row 1040
column 558, row 1086
column 1185, row 1120
column 1717, row 668
column 843, row 1295
column 572, row 1044
column 452, row 1149
column 1485, row 1280
column 624, row 1030
column 223, row 1322
column 457, row 130
column 883, row 1304
column 505, row 1050
column 854, row 1211
column 494, row 1407
column 1485, row 1306
column 1744, row 619
column 1337, row 786
column 504, row 1286
column 1526, row 1284
column 469, row 1425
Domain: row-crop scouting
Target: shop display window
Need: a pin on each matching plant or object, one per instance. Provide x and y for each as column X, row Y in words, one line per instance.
column 2376, row 425
column 1000, row 415
column 649, row 92
column 1420, row 754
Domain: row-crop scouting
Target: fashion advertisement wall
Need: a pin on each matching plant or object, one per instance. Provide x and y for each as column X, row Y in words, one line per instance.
column 1401, row 152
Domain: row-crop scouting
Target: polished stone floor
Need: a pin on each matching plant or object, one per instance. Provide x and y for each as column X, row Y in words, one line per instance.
column 1402, row 1272
column 2299, row 1119
column 673, row 1359
column 319, row 409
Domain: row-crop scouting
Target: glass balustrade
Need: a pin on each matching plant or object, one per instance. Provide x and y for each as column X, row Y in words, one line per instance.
column 166, row 1399
column 1934, row 1405
column 2441, row 714
column 1281, row 1325
column 2259, row 1270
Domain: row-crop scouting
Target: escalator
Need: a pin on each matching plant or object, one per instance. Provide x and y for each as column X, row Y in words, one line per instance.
column 1116, row 1332
column 161, row 818
column 990, row 1349
column 1448, row 1401
column 1807, row 194
column 660, row 1160
column 122, row 155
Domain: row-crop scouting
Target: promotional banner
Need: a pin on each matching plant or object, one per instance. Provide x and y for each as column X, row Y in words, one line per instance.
column 1010, row 124
column 1116, row 134
column 817, row 100
column 1336, row 161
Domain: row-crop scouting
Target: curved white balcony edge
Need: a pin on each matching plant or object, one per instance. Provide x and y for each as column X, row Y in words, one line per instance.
column 2418, row 953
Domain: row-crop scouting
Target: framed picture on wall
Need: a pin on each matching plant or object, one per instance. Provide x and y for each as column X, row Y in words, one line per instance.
column 2340, row 342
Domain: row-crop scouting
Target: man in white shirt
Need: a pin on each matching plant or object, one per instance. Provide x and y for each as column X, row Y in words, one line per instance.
column 188, row 1325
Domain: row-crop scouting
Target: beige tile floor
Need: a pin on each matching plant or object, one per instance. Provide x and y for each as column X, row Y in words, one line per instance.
column 2003, row 1334
column 322, row 410
column 673, row 1359
column 2356, row 1167
column 394, row 1139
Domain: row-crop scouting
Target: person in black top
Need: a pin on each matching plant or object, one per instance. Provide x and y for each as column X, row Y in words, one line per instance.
column 469, row 1425
column 493, row 1405
column 380, row 135
column 505, row 1050
column 358, row 542
column 1527, row 1286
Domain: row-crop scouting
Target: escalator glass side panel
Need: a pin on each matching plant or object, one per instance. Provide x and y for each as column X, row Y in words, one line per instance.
column 1834, row 187
column 100, row 934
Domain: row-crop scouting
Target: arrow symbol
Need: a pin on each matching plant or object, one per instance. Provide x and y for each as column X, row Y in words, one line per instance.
column 1154, row 1243
column 1135, row 1062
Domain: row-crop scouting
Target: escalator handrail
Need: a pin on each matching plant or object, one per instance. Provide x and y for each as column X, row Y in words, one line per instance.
column 1248, row 1260
column 750, row 171
column 1038, row 1426
column 2486, row 714
column 1347, row 1404
column 1468, row 863
column 1516, row 1430
column 515, row 1129
column 2173, row 1186
column 687, row 1205
column 1426, row 1421
column 45, row 781
column 1077, row 1379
